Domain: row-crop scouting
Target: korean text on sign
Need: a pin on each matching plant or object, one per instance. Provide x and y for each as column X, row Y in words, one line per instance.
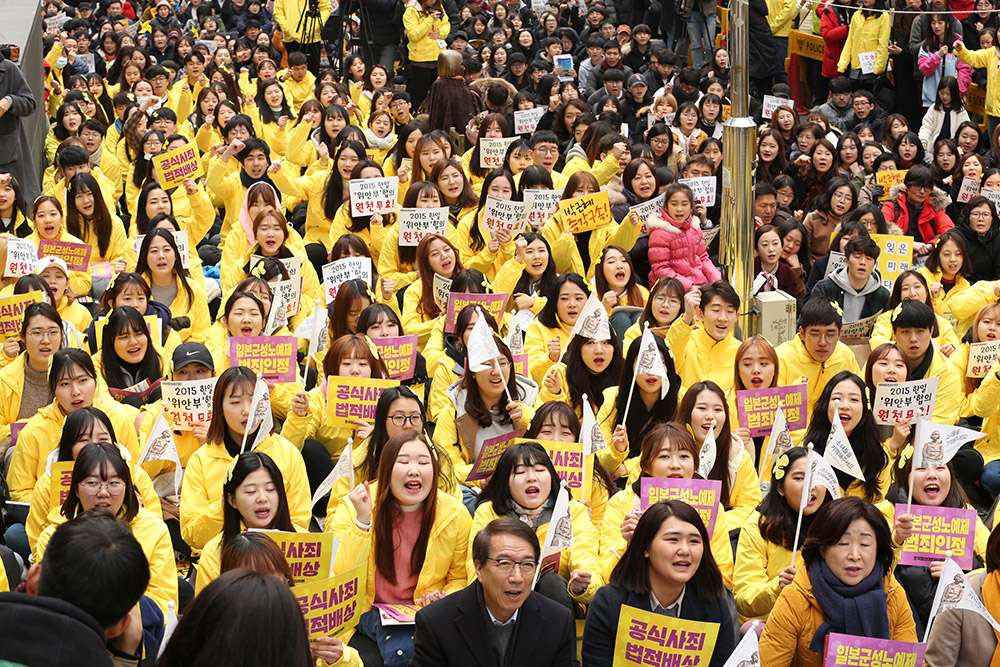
column 489, row 454
column 416, row 223
column 701, row 494
column 853, row 651
column 399, row 355
column 373, row 195
column 309, row 555
column 330, row 605
column 188, row 403
column 274, row 357
column 755, row 407
column 571, row 464
column 645, row 638
column 12, row 311
column 895, row 258
column 76, row 255
column 492, row 303
column 583, row 214
column 904, row 401
column 936, row 531
column 174, row 166
column 350, row 399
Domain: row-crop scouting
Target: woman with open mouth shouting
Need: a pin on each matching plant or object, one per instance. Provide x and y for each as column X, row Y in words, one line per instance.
column 668, row 568
column 128, row 357
column 253, row 497
column 663, row 306
column 765, row 549
column 436, row 256
column 548, row 333
column 524, row 486
column 589, row 367
column 160, row 264
column 668, row 451
column 47, row 220
column 845, row 586
column 411, row 535
column 530, row 276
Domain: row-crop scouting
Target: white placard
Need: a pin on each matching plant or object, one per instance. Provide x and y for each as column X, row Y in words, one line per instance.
column 88, row 62
column 982, row 357
column 373, row 195
column 22, row 257
column 502, row 214
column 185, row 403
column 703, row 188
column 867, row 62
column 772, row 103
column 180, row 238
column 292, row 264
column 541, row 204
column 968, row 190
column 993, row 196
column 416, row 223
column 647, row 210
column 904, row 401
column 492, row 151
column 442, row 291
column 836, row 262
column 291, row 295
column 525, row 122
column 339, row 271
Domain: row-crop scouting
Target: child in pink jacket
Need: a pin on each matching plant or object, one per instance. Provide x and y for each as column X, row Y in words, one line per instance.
column 676, row 249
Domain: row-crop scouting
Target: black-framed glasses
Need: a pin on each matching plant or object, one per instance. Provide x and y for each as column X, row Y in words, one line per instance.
column 399, row 421
column 506, row 565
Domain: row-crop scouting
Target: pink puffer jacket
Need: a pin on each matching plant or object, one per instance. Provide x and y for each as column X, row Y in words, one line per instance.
column 677, row 251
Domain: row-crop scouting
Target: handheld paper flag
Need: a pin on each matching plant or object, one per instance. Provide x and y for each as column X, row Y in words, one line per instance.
column 590, row 431
column 747, row 653
column 936, row 444
column 650, row 362
column 839, row 452
column 168, row 627
column 780, row 439
column 593, row 321
column 820, row 474
column 482, row 349
column 708, row 453
column 276, row 317
column 261, row 421
column 160, row 446
column 344, row 468
column 560, row 533
column 954, row 592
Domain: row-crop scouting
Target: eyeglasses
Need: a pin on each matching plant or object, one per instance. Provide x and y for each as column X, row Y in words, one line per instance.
column 547, row 150
column 506, row 565
column 841, row 196
column 399, row 421
column 669, row 300
column 826, row 337
column 39, row 334
column 92, row 487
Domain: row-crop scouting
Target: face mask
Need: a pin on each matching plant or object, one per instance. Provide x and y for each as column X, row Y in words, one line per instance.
column 61, row 62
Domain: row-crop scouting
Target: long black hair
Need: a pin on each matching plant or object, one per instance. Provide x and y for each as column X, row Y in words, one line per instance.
column 548, row 315
column 126, row 319
column 548, row 278
column 333, row 195
column 142, row 264
column 640, row 420
column 248, row 462
column 581, row 380
column 101, row 224
column 497, row 490
column 78, row 424
column 777, row 518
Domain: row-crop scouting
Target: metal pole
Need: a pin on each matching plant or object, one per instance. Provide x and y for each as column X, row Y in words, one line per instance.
column 738, row 138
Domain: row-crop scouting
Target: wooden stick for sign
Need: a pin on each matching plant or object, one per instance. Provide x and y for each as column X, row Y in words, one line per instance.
column 805, row 489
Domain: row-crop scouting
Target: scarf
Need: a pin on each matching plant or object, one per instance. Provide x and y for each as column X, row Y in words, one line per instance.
column 860, row 610
column 533, row 521
column 244, row 214
column 991, row 598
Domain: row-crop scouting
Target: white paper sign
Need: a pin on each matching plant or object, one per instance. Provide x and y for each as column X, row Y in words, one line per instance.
column 859, row 328
column 22, row 256
column 339, row 271
column 982, row 357
column 291, row 295
column 186, row 403
column 867, row 61
column 993, row 196
column 502, row 214
column 416, row 223
column 526, row 121
column 541, row 204
column 373, row 195
column 180, row 238
column 904, row 401
column 492, row 151
column 442, row 291
column 836, row 262
column 969, row 189
column 771, row 104
column 87, row 60
column 647, row 210
column 703, row 188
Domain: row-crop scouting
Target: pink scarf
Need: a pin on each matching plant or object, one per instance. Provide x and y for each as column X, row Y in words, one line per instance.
column 244, row 215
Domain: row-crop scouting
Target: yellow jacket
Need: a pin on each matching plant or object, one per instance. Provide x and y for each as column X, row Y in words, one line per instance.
column 794, row 364
column 151, row 533
column 989, row 59
column 116, row 247
column 797, row 615
column 942, row 304
column 287, row 14
column 418, row 26
column 536, row 346
column 186, row 443
column 11, row 392
column 444, row 563
column 984, row 403
column 41, row 435
column 210, row 561
column 700, row 357
column 758, row 564
column 373, row 235
column 882, row 333
column 194, row 307
column 604, row 170
column 506, row 280
column 567, row 255
column 414, row 321
column 232, row 272
column 226, row 188
column 965, row 304
column 389, row 265
column 201, row 496
column 298, row 92
column 583, row 555
column 613, row 545
column 281, row 393
column 780, row 16
column 950, row 391
column 311, row 188
column 314, row 426
column 486, row 261
column 867, row 34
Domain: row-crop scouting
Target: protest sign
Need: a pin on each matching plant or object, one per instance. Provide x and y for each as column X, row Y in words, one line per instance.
column 12, row 311
column 174, row 166
column 867, row 61
column 968, row 189
column 887, row 179
column 54, row 23
column 309, row 555
column 22, row 257
column 489, row 454
column 936, row 531
column 76, row 255
column 290, row 292
column 772, row 104
column 180, row 239
column 188, row 403
column 526, row 121
column 574, row 466
column 503, row 214
column 339, row 271
column 101, row 270
column 330, row 605
column 87, row 60
column 274, row 357
column 350, row 399
column 399, row 355
column 397, row 614
column 703, row 188
column 373, row 195
column 859, row 328
column 60, row 476
column 708, row 234
column 442, row 290
column 855, row 651
column 982, row 357
column 993, row 196
column 540, row 205
column 646, row 211
column 904, row 401
column 520, row 364
column 492, row 151
column 755, row 407
column 416, row 223
column 836, row 262
column 586, row 213
column 701, row 494
column 895, row 258
column 141, row 390
column 647, row 638
column 492, row 303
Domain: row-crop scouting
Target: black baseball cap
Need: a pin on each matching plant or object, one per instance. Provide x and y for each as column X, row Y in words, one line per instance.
column 192, row 353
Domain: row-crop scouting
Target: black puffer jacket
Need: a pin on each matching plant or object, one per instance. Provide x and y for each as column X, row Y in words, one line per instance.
column 984, row 251
column 764, row 61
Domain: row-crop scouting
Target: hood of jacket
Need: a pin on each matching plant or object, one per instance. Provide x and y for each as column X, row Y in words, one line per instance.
column 939, row 199
column 841, row 278
column 659, row 222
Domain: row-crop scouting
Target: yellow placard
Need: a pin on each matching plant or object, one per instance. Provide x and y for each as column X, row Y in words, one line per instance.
column 331, row 605
column 309, row 555
column 61, row 473
column 646, row 638
column 895, row 258
column 12, row 311
column 349, row 399
column 152, row 321
column 174, row 166
column 572, row 465
column 887, row 179
column 586, row 213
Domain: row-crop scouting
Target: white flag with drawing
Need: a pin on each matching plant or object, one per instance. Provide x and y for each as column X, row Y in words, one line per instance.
column 839, row 452
column 261, row 420
column 820, row 474
column 779, row 440
column 649, row 361
column 344, row 468
column 592, row 321
column 954, row 592
column 747, row 653
column 708, row 453
column 560, row 533
column 590, row 430
column 160, row 446
column 936, row 444
column 482, row 349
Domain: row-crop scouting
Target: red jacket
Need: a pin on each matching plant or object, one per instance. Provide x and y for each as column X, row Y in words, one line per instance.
column 834, row 33
column 933, row 220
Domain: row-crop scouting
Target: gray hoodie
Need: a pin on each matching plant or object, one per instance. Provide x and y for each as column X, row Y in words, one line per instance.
column 853, row 300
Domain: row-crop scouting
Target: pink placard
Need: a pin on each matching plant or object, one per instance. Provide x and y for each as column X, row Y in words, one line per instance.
column 756, row 407
column 521, row 364
column 15, row 430
column 494, row 303
column 937, row 530
column 399, row 355
column 489, row 454
column 274, row 357
column 867, row 652
column 101, row 270
column 404, row 613
column 701, row 494
column 76, row 255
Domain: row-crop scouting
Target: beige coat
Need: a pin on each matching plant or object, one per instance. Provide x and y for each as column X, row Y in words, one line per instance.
column 960, row 637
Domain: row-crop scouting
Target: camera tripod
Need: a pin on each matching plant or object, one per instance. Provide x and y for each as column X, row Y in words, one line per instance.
column 347, row 41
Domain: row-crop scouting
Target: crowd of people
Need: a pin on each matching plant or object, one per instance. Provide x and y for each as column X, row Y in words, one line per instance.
column 288, row 102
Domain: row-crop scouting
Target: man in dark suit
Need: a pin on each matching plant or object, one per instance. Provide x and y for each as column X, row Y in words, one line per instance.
column 497, row 621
